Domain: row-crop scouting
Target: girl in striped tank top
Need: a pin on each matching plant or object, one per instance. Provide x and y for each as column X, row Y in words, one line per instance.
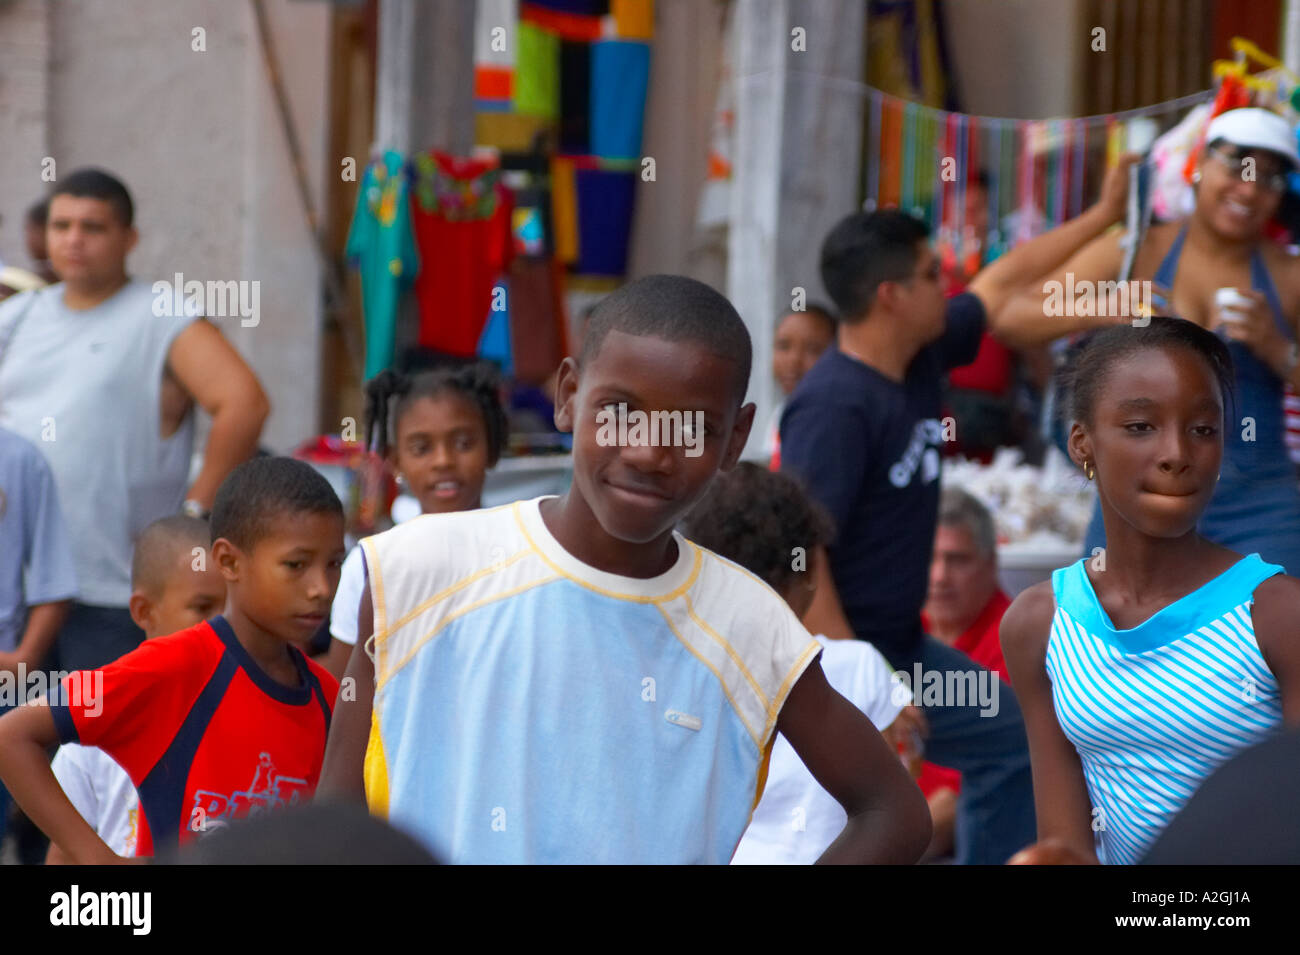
column 1143, row 667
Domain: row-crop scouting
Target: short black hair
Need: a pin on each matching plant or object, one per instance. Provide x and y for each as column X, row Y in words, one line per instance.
column 1081, row 378
column 816, row 310
column 38, row 213
column 163, row 547
column 262, row 488
column 315, row 833
column 90, row 183
column 389, row 394
column 677, row 309
column 865, row 249
column 757, row 518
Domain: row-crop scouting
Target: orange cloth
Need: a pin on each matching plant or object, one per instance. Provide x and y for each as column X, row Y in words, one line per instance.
column 633, row 19
column 564, row 209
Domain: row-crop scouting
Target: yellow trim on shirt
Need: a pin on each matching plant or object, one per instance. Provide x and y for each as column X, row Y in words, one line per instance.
column 375, row 771
column 731, row 651
column 454, row 615
column 721, row 682
column 801, row 664
column 444, row 594
column 630, row 598
column 763, row 765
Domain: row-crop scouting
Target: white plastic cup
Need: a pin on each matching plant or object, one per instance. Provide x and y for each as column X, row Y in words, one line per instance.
column 1230, row 305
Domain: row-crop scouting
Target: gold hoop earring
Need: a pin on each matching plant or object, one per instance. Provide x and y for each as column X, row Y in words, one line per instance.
column 1088, row 470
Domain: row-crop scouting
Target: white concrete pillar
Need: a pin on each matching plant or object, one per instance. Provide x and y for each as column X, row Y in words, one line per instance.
column 424, row 83
column 799, row 115
column 1291, row 35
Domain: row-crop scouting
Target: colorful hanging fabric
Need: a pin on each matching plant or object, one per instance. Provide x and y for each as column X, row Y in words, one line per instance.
column 494, row 343
column 620, row 78
column 1080, row 145
column 564, row 209
column 495, row 24
column 891, row 155
column 537, row 73
column 560, row 18
column 1114, row 142
column 605, row 202
column 907, row 198
column 633, row 19
column 575, row 97
column 381, row 245
column 461, row 217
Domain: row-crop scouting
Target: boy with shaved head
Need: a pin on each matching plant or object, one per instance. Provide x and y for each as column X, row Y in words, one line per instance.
column 174, row 585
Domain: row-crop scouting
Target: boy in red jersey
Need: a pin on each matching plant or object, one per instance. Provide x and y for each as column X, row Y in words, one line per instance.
column 222, row 720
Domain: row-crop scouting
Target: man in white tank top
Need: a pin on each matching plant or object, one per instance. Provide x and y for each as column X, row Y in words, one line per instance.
column 102, row 376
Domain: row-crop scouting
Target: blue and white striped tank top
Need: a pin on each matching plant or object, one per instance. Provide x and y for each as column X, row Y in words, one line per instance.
column 1152, row 711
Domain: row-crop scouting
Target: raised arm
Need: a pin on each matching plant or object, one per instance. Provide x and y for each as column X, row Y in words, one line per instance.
column 1028, row 318
column 1061, row 801
column 1022, row 271
column 889, row 821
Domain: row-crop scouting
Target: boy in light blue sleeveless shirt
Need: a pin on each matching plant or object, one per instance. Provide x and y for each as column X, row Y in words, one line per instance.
column 569, row 680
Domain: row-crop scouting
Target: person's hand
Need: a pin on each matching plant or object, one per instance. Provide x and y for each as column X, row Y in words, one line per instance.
column 904, row 736
column 1050, row 852
column 911, row 718
column 1253, row 327
column 1113, row 200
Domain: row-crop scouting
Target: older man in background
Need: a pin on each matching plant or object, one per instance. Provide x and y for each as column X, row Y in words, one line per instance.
column 963, row 608
column 964, row 605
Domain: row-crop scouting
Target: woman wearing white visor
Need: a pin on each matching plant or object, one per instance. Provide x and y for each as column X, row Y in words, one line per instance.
column 1217, row 268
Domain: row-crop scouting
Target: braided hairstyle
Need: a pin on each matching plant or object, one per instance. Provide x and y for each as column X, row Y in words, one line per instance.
column 389, row 394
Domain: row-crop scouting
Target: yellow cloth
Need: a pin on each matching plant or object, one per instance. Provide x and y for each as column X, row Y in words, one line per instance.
column 564, row 209
column 509, row 132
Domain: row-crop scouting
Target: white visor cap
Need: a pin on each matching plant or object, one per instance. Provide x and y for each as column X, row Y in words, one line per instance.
column 1254, row 128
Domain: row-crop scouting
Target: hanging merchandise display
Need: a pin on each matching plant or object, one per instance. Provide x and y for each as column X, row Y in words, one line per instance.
column 1035, row 172
column 460, row 212
column 381, row 246
column 537, row 73
column 537, row 340
column 620, row 76
column 495, row 43
column 605, row 201
column 579, row 76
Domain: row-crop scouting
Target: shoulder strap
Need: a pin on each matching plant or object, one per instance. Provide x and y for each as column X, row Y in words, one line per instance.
column 1168, row 269
column 1261, row 281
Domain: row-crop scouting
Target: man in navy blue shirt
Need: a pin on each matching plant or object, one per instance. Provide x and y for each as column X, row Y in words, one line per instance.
column 863, row 431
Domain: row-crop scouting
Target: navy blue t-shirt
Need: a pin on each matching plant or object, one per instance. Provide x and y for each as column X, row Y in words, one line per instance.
column 867, row 448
